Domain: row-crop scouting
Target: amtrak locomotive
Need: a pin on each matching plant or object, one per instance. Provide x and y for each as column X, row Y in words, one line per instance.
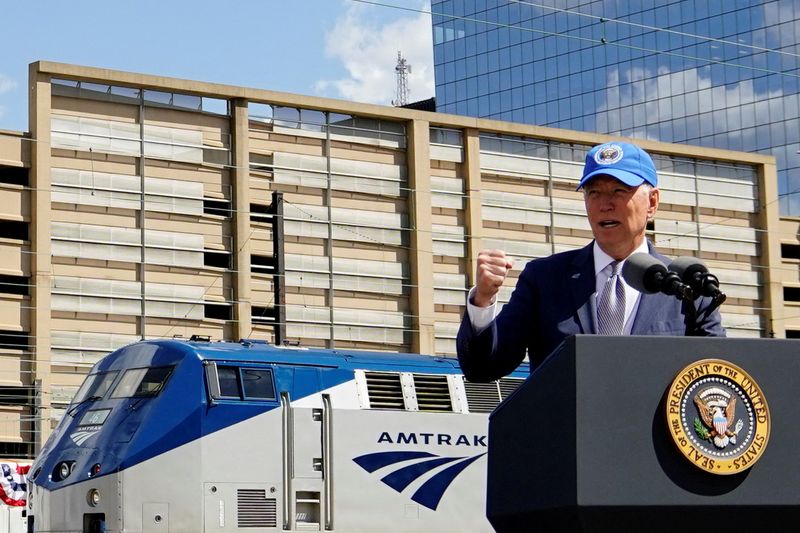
column 188, row 437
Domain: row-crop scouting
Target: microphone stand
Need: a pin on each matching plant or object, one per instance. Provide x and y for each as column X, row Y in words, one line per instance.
column 690, row 312
column 689, row 317
column 711, row 282
column 671, row 284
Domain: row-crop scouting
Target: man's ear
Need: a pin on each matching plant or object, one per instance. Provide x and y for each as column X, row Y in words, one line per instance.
column 653, row 199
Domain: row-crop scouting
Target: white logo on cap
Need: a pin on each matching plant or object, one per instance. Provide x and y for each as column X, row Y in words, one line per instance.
column 608, row 154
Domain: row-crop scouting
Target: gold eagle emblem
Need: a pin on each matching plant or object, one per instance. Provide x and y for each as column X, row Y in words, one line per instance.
column 717, row 409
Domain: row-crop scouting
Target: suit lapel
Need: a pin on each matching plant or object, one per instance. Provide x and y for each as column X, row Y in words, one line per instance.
column 581, row 281
column 648, row 307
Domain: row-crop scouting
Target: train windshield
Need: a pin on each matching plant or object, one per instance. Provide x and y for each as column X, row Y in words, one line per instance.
column 142, row 382
column 95, row 386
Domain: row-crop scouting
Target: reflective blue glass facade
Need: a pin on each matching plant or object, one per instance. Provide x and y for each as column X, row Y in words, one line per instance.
column 716, row 73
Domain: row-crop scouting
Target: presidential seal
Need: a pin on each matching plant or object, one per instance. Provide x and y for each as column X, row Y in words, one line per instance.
column 718, row 416
column 608, row 154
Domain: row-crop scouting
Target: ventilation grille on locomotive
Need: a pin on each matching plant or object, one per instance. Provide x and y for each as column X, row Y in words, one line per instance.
column 254, row 509
column 433, row 393
column 385, row 390
column 484, row 397
column 508, row 385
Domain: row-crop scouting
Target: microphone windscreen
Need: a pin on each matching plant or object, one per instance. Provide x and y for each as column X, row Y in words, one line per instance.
column 641, row 271
column 686, row 267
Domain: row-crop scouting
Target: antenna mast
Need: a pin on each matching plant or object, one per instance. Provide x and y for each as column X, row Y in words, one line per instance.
column 403, row 69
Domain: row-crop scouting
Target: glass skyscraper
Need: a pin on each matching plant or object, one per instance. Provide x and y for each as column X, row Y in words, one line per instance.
column 714, row 73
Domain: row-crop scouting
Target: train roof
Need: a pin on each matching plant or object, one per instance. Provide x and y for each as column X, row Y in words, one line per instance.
column 257, row 351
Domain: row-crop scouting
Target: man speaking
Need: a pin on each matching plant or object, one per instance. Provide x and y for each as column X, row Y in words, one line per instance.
column 579, row 291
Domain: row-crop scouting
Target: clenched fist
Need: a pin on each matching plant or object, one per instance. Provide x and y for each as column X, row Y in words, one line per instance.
column 492, row 269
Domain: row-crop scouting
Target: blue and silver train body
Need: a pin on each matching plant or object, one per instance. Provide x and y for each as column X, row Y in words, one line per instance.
column 176, row 436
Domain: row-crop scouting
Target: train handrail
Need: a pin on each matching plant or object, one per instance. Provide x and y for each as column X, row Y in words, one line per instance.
column 288, row 458
column 327, row 459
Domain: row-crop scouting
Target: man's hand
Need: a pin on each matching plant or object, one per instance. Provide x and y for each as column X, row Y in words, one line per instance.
column 492, row 269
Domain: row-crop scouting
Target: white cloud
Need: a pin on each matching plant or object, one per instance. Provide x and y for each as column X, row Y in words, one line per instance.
column 773, row 37
column 6, row 84
column 646, row 89
column 368, row 51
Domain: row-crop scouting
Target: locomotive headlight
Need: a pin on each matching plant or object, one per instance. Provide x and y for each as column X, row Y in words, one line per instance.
column 64, row 470
column 93, row 497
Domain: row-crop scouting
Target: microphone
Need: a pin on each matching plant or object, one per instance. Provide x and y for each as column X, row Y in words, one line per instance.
column 647, row 274
column 695, row 274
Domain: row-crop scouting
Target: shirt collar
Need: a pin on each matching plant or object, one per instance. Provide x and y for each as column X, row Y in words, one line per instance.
column 602, row 259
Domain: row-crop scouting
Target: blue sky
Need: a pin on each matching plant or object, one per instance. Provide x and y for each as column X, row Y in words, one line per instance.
column 336, row 48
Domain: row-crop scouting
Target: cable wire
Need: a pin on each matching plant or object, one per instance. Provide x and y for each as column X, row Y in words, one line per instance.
column 655, row 28
column 601, row 41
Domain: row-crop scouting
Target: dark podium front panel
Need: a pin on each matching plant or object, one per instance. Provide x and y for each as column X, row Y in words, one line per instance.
column 583, row 444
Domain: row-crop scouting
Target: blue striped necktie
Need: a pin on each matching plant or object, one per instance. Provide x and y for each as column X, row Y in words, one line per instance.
column 611, row 305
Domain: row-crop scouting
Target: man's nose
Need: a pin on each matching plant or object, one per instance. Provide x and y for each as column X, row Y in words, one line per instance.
column 606, row 202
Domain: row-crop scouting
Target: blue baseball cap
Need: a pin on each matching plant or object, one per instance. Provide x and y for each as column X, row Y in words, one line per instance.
column 624, row 161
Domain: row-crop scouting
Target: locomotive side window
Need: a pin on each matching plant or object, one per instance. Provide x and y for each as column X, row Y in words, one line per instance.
column 229, row 382
column 141, row 382
column 95, row 386
column 258, row 384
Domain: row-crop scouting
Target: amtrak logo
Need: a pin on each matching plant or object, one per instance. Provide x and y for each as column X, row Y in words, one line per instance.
column 79, row 437
column 407, row 467
column 608, row 154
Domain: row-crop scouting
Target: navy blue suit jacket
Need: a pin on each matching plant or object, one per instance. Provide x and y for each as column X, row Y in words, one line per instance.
column 552, row 301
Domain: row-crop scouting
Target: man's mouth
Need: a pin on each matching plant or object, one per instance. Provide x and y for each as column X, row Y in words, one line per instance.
column 609, row 223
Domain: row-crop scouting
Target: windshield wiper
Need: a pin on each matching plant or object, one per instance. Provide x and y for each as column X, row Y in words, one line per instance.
column 85, row 400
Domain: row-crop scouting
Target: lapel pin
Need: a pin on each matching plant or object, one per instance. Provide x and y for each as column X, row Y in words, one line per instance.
column 576, row 275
